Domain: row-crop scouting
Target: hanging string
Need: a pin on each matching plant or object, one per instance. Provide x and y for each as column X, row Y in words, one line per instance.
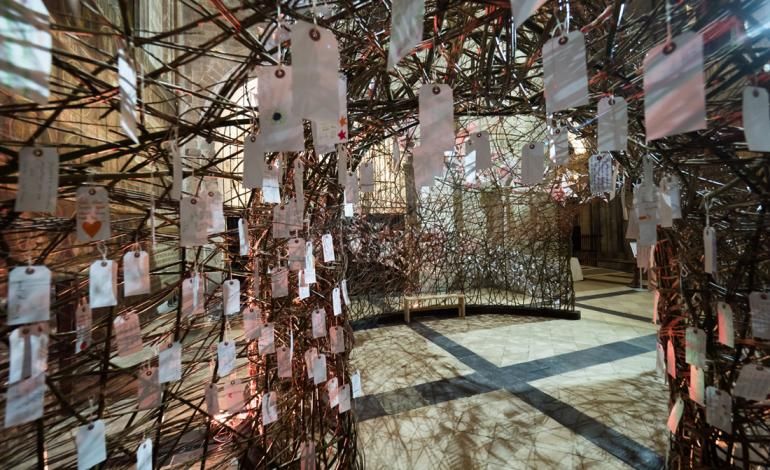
column 668, row 21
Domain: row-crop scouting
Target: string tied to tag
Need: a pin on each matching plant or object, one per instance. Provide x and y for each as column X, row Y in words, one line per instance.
column 707, row 205
column 102, row 247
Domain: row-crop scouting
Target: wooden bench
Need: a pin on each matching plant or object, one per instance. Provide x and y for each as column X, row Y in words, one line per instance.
column 411, row 303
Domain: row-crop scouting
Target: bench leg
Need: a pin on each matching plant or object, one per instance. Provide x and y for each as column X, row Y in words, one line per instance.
column 462, row 307
column 406, row 312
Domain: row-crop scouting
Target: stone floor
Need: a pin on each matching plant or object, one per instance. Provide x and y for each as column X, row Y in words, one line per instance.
column 510, row 392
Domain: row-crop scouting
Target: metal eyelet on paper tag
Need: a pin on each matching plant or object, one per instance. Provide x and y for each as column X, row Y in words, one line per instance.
column 531, row 146
column 669, row 48
column 30, row 270
column 436, row 89
column 148, row 372
column 39, row 153
column 755, row 93
column 280, row 73
column 478, row 134
column 211, row 193
column 558, row 131
column 611, row 101
column 563, row 40
column 764, row 296
column 92, row 191
column 193, row 201
column 315, row 35
column 137, row 254
column 104, row 263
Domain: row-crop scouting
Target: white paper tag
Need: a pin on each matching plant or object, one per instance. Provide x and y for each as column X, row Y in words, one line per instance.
column 676, row 415
column 149, row 392
column 343, row 398
column 318, row 318
column 307, row 455
column 327, row 134
column 103, row 284
column 144, row 455
column 269, row 408
column 696, row 388
column 695, row 347
column 216, row 217
column 345, row 295
column 92, row 214
column 437, row 127
column 136, row 273
column 231, row 296
column 428, row 163
column 319, row 369
column 279, row 280
column 671, row 360
column 351, row 188
column 83, row 322
column 24, row 400
column 27, row 46
column 316, row 63
column 564, row 72
column 267, row 339
column 193, row 222
column 660, row 361
column 232, row 397
column 600, row 174
column 296, row 248
column 725, row 325
column 170, row 363
column 674, row 89
column 521, row 10
column 38, row 179
column 559, row 148
column 243, row 237
column 91, row 444
column 303, row 290
column 299, row 190
column 253, row 161
column 355, row 381
column 309, row 355
column 478, row 155
column 283, row 356
column 177, row 169
column 252, row 322
column 280, row 222
column 613, row 124
column 532, row 163
column 366, row 177
column 29, row 295
column 710, row 250
column 719, row 409
column 331, row 390
column 28, row 352
column 759, row 306
column 128, row 95
column 753, row 382
column 328, row 247
column 309, row 274
column 336, row 301
column 336, row 340
column 271, row 184
column 192, row 296
column 128, row 335
column 756, row 119
column 406, row 29
column 212, row 399
column 225, row 357
column 281, row 127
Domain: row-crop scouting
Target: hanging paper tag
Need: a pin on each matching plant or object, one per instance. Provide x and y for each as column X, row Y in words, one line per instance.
column 93, row 214
column 193, row 222
column 38, row 179
column 674, row 89
column 307, row 455
column 296, row 253
column 521, row 10
column 753, row 382
column 336, row 301
column 355, row 380
column 136, row 273
column 759, row 305
column 396, row 155
column 177, row 169
column 437, row 127
column 345, row 295
column 319, row 369
column 128, row 95
column 271, row 184
column 253, row 162
column 327, row 134
column 128, row 335
column 309, row 355
column 29, row 295
column 318, row 318
column 92, row 447
column 232, row 397
column 212, row 400
column 243, row 237
column 407, row 18
column 660, row 363
column 149, row 392
column 299, row 189
column 279, row 280
column 600, row 174
column 695, row 347
column 331, row 391
column 103, row 284
column 559, row 149
column 267, row 339
column 710, row 250
column 719, row 409
column 231, row 296
column 676, row 415
column 281, row 127
column 252, row 322
column 696, row 386
column 316, row 64
column 613, row 124
column 28, row 352
column 428, row 164
column 343, row 398
column 24, row 400
column 309, row 274
column 337, row 340
column 144, row 455
column 756, row 118
column 366, row 177
column 269, row 408
column 216, row 217
column 351, row 188
column 477, row 154
column 192, row 296
column 725, row 325
column 564, row 72
column 170, row 363
column 671, row 360
column 27, row 44
column 83, row 321
column 280, row 222
column 303, row 290
column 225, row 357
column 283, row 357
column 532, row 163
column 328, row 247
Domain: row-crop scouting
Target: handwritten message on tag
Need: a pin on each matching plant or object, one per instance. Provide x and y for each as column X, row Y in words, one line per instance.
column 24, row 400
column 337, row 339
column 83, row 320
column 281, row 127
column 29, row 295
column 318, row 320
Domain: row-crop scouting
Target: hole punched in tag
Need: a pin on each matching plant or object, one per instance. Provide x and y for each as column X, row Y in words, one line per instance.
column 39, row 153
column 478, row 134
column 280, row 73
column 755, row 93
column 211, row 193
column 193, row 201
column 253, row 138
column 611, row 101
column 436, row 89
column 531, row 146
column 92, row 191
column 563, row 40
column 314, row 34
column 104, row 263
column 558, row 131
column 30, row 270
column 669, row 48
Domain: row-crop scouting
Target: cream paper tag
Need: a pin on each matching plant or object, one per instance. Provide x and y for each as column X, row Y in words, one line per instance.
column 269, row 408
column 128, row 95
column 343, row 398
column 613, row 124
column 674, row 89
column 309, row 355
column 559, row 148
column 303, row 290
column 355, row 380
column 28, row 352
column 103, row 284
column 719, row 409
column 92, row 214
column 660, row 362
column 327, row 242
column 136, row 273
column 38, row 179
column 337, row 340
column 351, row 188
column 319, row 369
column 436, row 114
column 170, row 363
column 318, row 320
column 281, row 128
column 710, row 250
column 407, row 18
column 366, row 177
column 600, row 174
column 91, row 444
column 283, row 356
column 267, row 339
column 676, row 415
column 336, row 301
column 655, row 302
column 225, row 357
column 478, row 154
column 216, row 217
column 232, row 397
column 396, row 154
column 565, row 76
column 252, row 322
column 756, row 119
column 753, row 382
column 253, row 162
column 193, row 221
column 24, row 400
column 271, row 184
column 26, row 42
column 293, row 218
column 532, row 163
column 759, row 306
column 342, row 165
column 327, row 134
column 670, row 359
column 144, row 455
column 192, row 296
column 316, row 62
column 331, row 391
column 307, row 455
column 296, row 248
column 231, row 296
column 521, row 10
column 280, row 222
column 299, row 188
column 149, row 393
column 696, row 386
column 29, row 295
column 647, row 216
column 243, row 237
column 83, row 323
column 212, row 399
column 695, row 347
column 345, row 295
column 428, row 164
column 725, row 325
column 279, row 281
column 128, row 335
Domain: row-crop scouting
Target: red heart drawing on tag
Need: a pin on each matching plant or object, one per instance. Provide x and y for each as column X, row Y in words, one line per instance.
column 92, row 228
